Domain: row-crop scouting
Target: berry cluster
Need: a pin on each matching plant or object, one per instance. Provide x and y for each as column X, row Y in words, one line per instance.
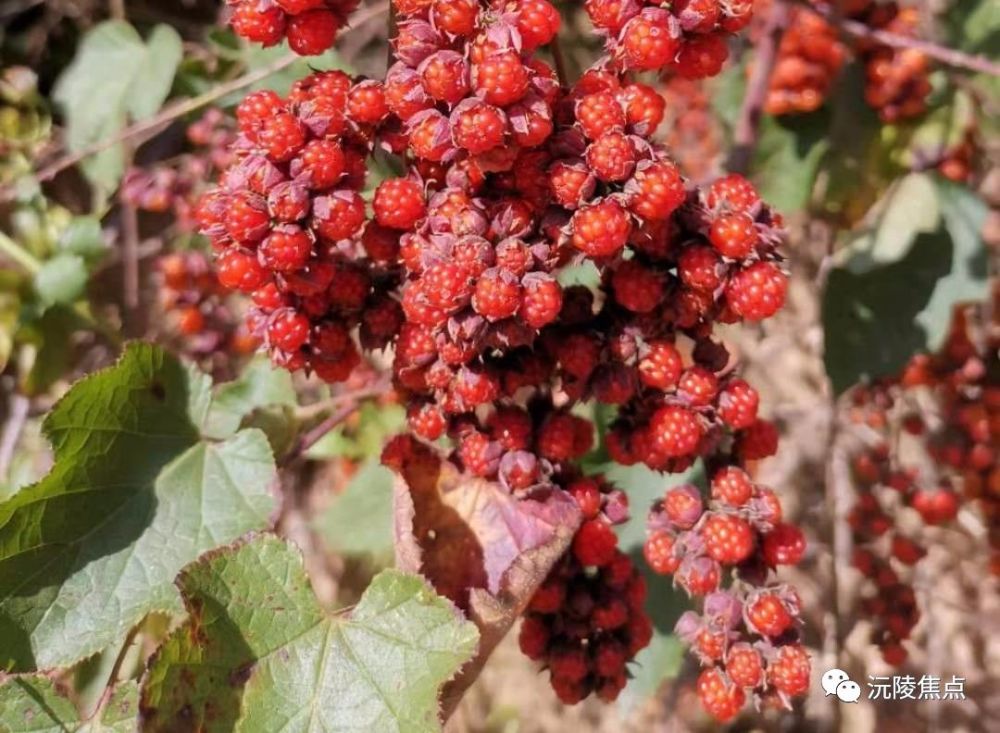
column 690, row 37
column 174, row 187
column 510, row 178
column 288, row 219
column 959, row 433
column 810, row 58
column 896, row 80
column 745, row 637
column 311, row 26
column 586, row 621
column 196, row 311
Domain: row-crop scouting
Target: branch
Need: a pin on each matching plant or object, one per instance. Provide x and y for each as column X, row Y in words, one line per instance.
column 351, row 402
column 560, row 61
column 18, row 254
column 167, row 115
column 947, row 56
column 748, row 123
column 116, row 670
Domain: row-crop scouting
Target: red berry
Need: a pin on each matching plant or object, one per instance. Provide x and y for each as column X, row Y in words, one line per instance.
column 768, row 615
column 366, row 102
column 549, row 598
column 784, row 545
column 661, row 367
column 728, row 539
column 533, row 637
column 426, row 420
column 732, row 193
column 541, row 301
column 266, row 27
column 338, row 215
column 399, row 203
column 246, row 219
column 600, row 113
column 282, row 136
column 744, row 665
column 644, row 108
column 511, row 427
column 457, row 17
column 683, row 506
column 478, row 127
column 698, row 386
column 286, row 249
column 287, row 330
column 322, row 162
column 571, row 183
column 595, row 543
column 569, row 664
column 789, row 672
column 659, row 553
column 757, row 441
column 738, row 403
column 498, row 294
column 702, row 57
column 719, row 696
column 636, row 287
column 650, row 40
column 445, row 76
column 313, row 32
column 611, row 157
column 537, row 21
column 732, row 486
column 501, row 79
column 676, row 431
column 600, row 229
column 656, row 190
column 734, row 235
column 255, row 108
column 758, row 292
column 239, row 270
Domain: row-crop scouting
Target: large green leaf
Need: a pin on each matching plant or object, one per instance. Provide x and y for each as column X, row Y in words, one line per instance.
column 115, row 77
column 31, row 704
column 134, row 495
column 359, row 521
column 880, row 310
column 257, row 652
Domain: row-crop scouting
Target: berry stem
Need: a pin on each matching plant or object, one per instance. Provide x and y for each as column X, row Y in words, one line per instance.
column 351, row 402
column 748, row 123
column 165, row 116
column 116, row 670
column 16, row 253
column 560, row 61
column 947, row 56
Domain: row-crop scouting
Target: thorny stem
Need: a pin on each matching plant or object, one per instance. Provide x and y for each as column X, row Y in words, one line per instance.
column 167, row 115
column 947, row 56
column 748, row 123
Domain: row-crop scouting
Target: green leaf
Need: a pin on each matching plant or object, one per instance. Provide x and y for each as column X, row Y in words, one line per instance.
column 32, row 704
column 894, row 290
column 134, row 495
column 83, row 237
column 359, row 521
column 115, row 77
column 257, row 652
column 787, row 158
column 909, row 209
column 974, row 26
column 61, row 280
column 260, row 385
